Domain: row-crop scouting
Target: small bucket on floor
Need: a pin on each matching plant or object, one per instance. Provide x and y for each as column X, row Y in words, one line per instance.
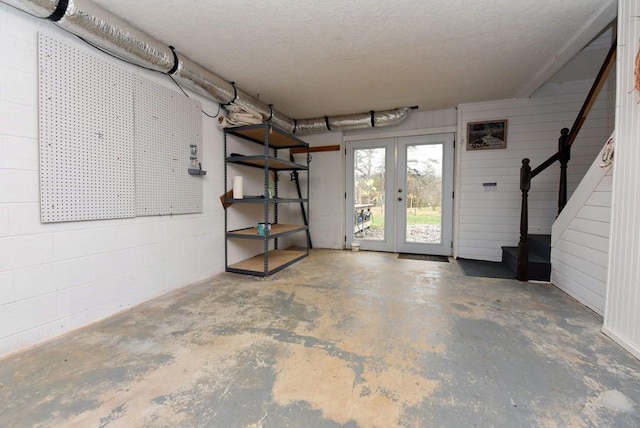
column 355, row 246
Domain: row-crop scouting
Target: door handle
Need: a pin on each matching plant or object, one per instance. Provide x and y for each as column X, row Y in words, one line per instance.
column 399, row 190
column 399, row 199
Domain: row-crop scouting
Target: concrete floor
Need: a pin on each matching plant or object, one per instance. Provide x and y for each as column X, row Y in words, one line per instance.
column 339, row 339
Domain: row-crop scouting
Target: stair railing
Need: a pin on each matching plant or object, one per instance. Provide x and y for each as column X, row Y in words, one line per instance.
column 563, row 155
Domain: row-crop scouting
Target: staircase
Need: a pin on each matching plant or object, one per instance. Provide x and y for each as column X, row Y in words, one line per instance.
column 531, row 259
column 539, row 258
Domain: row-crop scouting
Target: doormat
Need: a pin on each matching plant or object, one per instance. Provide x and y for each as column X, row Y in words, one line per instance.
column 426, row 257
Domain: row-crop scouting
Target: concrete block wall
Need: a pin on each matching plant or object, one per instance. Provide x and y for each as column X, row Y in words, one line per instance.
column 61, row 276
column 326, row 175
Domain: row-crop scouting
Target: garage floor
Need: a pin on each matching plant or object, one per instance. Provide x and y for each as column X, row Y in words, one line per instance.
column 339, row 339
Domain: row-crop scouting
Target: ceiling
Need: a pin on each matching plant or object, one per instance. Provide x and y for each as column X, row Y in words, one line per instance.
column 334, row 57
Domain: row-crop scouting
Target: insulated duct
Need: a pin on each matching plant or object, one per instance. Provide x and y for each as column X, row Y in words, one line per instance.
column 114, row 35
column 352, row 121
column 37, row 8
column 203, row 81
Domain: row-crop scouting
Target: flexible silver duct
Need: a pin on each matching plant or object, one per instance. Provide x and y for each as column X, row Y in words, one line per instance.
column 203, row 81
column 282, row 121
column 245, row 100
column 37, row 8
column 103, row 29
column 111, row 33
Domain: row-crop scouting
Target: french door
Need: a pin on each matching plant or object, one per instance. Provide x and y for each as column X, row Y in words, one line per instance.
column 400, row 194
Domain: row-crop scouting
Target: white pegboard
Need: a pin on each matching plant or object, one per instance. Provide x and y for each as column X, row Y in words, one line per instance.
column 86, row 135
column 167, row 124
column 96, row 160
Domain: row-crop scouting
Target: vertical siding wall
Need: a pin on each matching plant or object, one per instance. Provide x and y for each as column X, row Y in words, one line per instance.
column 488, row 220
column 622, row 313
column 58, row 277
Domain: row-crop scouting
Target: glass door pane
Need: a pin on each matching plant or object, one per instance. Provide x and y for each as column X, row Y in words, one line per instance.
column 424, row 200
column 369, row 178
column 369, row 213
column 423, row 212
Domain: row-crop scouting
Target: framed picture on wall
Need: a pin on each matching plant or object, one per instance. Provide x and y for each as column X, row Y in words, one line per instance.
column 487, row 135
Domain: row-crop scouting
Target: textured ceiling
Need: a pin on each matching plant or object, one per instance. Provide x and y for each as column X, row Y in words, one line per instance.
column 330, row 57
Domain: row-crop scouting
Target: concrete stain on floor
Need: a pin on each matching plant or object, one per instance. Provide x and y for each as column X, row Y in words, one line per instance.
column 339, row 339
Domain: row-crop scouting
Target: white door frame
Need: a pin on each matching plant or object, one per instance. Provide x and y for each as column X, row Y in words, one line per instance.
column 390, row 242
column 444, row 247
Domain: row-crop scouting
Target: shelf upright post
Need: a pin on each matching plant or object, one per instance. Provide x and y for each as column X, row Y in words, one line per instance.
column 226, row 227
column 275, row 195
column 308, row 203
column 266, row 196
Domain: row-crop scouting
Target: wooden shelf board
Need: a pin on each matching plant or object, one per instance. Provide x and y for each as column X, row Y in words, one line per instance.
column 277, row 258
column 250, row 200
column 261, row 161
column 332, row 148
column 276, row 229
column 278, row 138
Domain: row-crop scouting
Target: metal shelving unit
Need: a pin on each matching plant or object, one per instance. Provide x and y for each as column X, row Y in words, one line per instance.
column 272, row 259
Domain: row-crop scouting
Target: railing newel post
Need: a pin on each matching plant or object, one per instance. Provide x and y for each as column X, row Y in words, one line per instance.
column 523, row 244
column 564, row 149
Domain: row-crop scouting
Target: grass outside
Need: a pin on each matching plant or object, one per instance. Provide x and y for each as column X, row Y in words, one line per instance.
column 414, row 216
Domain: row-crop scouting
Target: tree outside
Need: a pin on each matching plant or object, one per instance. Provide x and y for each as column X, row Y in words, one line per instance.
column 423, row 191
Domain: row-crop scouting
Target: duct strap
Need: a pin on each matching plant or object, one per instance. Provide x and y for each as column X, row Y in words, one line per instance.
column 373, row 121
column 270, row 113
column 235, row 94
column 61, row 9
column 175, row 61
column 326, row 122
column 295, row 126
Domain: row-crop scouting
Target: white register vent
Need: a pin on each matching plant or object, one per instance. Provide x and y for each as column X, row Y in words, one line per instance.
column 112, row 144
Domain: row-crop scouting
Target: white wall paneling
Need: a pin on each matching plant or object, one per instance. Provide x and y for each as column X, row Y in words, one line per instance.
column 488, row 220
column 86, row 135
column 580, row 240
column 622, row 312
